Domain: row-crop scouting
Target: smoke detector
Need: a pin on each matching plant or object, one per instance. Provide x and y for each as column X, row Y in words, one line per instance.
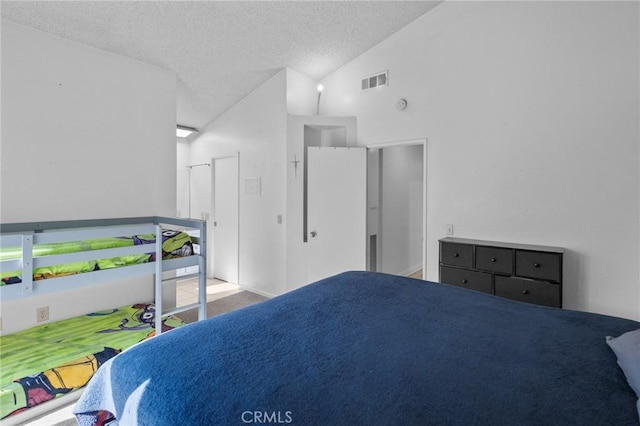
column 401, row 104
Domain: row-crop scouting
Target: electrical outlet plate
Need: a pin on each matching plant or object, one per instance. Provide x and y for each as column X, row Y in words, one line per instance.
column 42, row 314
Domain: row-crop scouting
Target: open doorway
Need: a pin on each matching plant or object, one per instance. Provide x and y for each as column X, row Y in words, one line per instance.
column 210, row 193
column 397, row 208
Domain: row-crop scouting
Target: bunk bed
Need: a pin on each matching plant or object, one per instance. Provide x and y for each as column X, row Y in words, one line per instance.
column 47, row 257
column 369, row 348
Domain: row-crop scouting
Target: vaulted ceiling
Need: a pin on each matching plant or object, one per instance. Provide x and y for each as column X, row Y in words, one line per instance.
column 223, row 50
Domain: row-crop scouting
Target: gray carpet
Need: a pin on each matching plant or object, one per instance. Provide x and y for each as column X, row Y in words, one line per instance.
column 222, row 305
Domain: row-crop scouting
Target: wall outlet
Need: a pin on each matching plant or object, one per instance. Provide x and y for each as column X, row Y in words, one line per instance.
column 449, row 229
column 42, row 314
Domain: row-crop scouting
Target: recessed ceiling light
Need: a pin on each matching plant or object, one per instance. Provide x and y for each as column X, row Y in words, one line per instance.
column 184, row 132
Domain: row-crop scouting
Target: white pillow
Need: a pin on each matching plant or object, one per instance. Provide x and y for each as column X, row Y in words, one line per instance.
column 627, row 349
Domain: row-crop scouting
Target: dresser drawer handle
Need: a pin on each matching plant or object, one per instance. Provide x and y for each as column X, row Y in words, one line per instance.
column 455, row 255
column 494, row 260
column 525, row 291
column 536, row 265
column 464, row 281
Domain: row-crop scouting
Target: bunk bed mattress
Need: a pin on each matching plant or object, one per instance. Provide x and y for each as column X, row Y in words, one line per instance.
column 49, row 360
column 174, row 244
column 369, row 348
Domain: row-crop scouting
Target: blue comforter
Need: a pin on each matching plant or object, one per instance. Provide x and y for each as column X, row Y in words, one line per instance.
column 366, row 349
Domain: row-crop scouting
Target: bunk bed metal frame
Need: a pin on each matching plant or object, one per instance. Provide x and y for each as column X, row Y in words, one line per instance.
column 27, row 235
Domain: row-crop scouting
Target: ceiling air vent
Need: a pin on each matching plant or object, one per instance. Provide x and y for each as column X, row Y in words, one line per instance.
column 380, row 79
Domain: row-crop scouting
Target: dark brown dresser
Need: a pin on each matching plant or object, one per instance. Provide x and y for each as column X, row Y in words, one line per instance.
column 523, row 272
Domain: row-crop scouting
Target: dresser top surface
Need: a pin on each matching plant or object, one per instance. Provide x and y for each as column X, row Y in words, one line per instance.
column 487, row 243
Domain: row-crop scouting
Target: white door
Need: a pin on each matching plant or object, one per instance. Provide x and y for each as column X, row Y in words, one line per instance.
column 200, row 192
column 199, row 199
column 336, row 210
column 225, row 219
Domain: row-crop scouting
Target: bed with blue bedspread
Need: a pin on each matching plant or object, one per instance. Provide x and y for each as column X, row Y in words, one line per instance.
column 368, row 348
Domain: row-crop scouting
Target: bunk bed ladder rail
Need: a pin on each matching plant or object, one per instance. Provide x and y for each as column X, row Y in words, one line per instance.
column 160, row 280
column 202, row 279
column 23, row 264
column 27, row 264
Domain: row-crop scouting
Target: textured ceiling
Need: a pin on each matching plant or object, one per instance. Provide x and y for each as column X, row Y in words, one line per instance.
column 223, row 50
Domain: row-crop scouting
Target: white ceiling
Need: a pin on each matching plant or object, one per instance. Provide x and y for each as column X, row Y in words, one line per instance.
column 223, row 50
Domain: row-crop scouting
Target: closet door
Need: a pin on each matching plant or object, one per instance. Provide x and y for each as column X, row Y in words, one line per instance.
column 200, row 188
column 200, row 192
column 226, row 220
column 336, row 210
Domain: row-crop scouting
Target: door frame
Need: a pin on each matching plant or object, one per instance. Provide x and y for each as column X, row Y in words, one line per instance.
column 410, row 142
column 213, row 210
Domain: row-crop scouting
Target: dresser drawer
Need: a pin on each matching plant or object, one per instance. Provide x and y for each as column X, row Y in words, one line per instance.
column 494, row 259
column 474, row 280
column 454, row 254
column 535, row 264
column 530, row 291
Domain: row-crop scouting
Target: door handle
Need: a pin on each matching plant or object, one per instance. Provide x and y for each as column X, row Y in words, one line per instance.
column 313, row 234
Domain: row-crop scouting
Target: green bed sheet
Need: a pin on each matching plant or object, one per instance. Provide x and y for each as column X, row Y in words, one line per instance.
column 175, row 243
column 46, row 361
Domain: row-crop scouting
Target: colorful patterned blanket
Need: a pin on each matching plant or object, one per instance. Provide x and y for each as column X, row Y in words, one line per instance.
column 46, row 361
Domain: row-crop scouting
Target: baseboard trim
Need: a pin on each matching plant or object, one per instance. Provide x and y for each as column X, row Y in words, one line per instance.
column 254, row 290
column 411, row 270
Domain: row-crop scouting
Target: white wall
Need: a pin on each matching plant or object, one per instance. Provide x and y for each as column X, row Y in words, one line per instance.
column 302, row 94
column 267, row 129
column 256, row 128
column 531, row 110
column 85, row 134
